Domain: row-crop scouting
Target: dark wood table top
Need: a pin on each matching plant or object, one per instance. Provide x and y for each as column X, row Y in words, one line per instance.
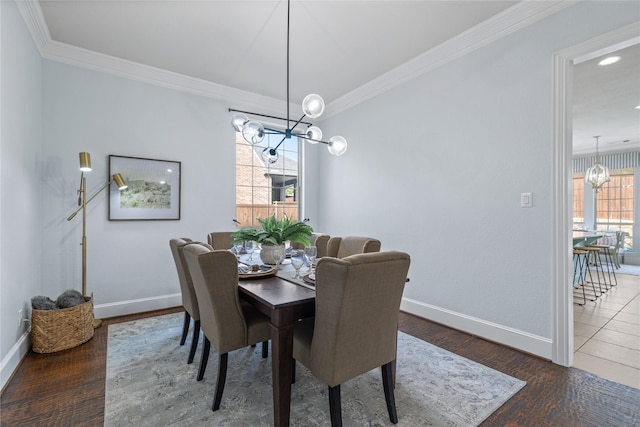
column 275, row 292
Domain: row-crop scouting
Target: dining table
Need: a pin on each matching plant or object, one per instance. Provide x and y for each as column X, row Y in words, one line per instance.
column 284, row 300
column 584, row 238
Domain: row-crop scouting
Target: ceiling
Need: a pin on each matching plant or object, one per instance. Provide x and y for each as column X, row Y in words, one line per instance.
column 604, row 102
column 336, row 48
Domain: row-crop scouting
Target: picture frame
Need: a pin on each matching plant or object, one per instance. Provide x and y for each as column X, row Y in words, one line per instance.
column 153, row 191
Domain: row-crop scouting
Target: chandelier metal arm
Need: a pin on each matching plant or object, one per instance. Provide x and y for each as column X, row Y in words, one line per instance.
column 233, row 110
column 303, row 136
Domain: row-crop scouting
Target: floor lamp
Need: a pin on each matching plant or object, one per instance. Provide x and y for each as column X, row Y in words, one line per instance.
column 85, row 166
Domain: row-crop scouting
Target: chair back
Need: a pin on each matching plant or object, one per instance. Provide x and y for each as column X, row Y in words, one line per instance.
column 619, row 240
column 341, row 247
column 319, row 240
column 357, row 307
column 220, row 239
column 189, row 300
column 215, row 279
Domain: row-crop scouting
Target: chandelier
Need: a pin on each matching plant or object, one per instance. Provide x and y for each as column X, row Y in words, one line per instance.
column 253, row 131
column 598, row 174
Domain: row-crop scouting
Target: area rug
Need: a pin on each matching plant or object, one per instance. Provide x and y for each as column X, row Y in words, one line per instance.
column 150, row 384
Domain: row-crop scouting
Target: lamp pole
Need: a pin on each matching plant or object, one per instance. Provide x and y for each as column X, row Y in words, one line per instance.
column 83, row 202
column 84, row 235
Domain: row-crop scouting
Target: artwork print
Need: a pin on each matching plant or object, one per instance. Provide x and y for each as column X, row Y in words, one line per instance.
column 153, row 191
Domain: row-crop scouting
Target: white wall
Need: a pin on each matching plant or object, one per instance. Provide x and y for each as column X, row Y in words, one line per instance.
column 128, row 261
column 436, row 167
column 20, row 183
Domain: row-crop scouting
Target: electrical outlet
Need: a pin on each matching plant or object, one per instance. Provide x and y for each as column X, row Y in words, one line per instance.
column 20, row 318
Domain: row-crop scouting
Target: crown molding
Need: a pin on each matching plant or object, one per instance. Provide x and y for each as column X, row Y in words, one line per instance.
column 84, row 58
column 508, row 21
column 516, row 17
column 34, row 19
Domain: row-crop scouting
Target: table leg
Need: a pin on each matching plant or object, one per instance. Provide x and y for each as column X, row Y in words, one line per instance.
column 282, row 371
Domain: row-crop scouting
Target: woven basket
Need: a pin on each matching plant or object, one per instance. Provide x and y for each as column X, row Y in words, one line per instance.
column 56, row 330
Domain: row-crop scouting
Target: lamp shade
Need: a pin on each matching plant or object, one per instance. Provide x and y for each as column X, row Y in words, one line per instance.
column 313, row 105
column 238, row 120
column 597, row 175
column 270, row 155
column 119, row 181
column 314, row 134
column 253, row 132
column 85, row 161
column 337, row 145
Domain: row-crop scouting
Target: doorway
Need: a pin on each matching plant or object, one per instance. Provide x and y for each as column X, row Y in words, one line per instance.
column 564, row 61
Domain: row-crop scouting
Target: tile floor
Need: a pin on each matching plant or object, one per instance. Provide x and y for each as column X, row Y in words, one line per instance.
column 607, row 333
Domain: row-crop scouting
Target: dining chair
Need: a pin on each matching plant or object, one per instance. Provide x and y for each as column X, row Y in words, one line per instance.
column 340, row 247
column 319, row 240
column 220, row 239
column 226, row 323
column 618, row 248
column 356, row 323
column 189, row 299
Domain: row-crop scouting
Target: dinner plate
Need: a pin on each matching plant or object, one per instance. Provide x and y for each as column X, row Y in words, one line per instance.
column 309, row 278
column 260, row 273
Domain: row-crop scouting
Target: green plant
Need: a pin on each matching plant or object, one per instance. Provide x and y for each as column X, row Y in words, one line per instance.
column 275, row 232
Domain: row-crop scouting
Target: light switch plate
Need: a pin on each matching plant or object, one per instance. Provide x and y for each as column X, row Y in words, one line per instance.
column 526, row 200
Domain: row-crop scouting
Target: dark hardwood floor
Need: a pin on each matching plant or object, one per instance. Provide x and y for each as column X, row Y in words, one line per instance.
column 67, row 388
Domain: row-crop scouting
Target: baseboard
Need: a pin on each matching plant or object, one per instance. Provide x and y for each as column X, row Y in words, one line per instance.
column 13, row 359
column 122, row 308
column 514, row 338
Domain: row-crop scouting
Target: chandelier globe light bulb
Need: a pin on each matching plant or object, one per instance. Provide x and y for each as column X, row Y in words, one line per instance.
column 313, row 105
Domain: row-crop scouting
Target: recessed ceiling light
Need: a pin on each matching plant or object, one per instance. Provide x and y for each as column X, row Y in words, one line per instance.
column 609, row 60
column 637, row 107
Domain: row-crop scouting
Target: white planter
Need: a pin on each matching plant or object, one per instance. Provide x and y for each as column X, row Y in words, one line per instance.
column 267, row 253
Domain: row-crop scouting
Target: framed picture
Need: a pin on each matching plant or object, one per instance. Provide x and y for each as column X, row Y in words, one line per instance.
column 153, row 191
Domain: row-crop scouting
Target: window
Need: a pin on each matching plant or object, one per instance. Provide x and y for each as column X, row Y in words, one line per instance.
column 614, row 204
column 264, row 189
column 578, row 202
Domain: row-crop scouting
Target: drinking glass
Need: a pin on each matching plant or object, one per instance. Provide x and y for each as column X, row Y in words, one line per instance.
column 249, row 246
column 278, row 256
column 311, row 252
column 297, row 261
column 237, row 249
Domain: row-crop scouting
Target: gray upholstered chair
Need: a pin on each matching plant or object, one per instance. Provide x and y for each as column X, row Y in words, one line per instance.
column 220, row 239
column 226, row 323
column 340, row 247
column 356, row 322
column 189, row 300
column 319, row 240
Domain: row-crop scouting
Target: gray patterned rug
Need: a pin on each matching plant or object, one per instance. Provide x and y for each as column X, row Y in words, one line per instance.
column 150, row 384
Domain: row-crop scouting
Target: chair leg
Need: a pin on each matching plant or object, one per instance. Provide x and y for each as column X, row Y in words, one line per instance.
column 265, row 349
column 194, row 341
column 205, row 358
column 222, row 377
column 387, row 384
column 334, row 406
column 293, row 372
column 185, row 327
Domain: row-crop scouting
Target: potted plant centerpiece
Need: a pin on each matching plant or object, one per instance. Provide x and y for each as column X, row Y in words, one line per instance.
column 274, row 233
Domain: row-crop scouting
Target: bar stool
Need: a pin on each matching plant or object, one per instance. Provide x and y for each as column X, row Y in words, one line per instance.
column 594, row 259
column 579, row 274
column 606, row 249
